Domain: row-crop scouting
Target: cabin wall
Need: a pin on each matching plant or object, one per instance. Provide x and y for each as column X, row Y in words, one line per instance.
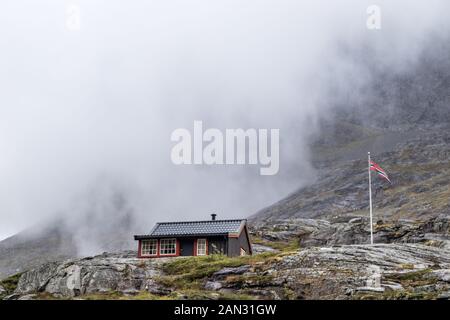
column 218, row 245
column 236, row 243
column 244, row 242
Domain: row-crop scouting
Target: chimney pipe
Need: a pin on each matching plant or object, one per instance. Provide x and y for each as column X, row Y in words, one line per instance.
column 213, row 216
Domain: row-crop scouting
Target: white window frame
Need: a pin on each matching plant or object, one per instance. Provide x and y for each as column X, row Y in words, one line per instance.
column 205, row 249
column 155, row 249
column 161, row 247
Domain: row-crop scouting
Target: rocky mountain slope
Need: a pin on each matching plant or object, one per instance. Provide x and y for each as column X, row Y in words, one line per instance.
column 32, row 248
column 419, row 170
column 384, row 271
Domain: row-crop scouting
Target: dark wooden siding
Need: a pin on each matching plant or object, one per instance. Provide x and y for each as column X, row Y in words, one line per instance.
column 244, row 242
column 217, row 245
column 235, row 244
column 233, row 247
column 186, row 246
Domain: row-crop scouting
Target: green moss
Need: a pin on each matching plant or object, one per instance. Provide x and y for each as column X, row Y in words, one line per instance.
column 285, row 246
column 289, row 294
column 191, row 294
column 112, row 295
column 10, row 284
column 198, row 294
column 250, row 280
column 200, row 267
column 398, row 295
column 409, row 276
column 410, row 280
column 236, row 296
column 190, row 272
column 48, row 296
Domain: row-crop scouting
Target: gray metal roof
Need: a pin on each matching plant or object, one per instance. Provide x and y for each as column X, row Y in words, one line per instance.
column 196, row 228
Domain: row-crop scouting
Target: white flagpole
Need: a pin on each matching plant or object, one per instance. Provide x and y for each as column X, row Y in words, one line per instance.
column 370, row 203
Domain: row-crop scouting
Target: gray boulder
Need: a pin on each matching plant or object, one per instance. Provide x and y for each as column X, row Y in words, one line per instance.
column 231, row 271
column 213, row 285
column 100, row 274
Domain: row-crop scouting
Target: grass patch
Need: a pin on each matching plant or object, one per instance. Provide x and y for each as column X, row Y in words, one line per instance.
column 411, row 279
column 188, row 273
column 194, row 294
column 398, row 295
column 249, row 281
column 191, row 294
column 200, row 267
column 112, row 295
column 10, row 284
column 284, row 246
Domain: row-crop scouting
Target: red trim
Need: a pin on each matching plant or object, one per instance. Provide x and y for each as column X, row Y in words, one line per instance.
column 195, row 247
column 139, row 249
column 157, row 248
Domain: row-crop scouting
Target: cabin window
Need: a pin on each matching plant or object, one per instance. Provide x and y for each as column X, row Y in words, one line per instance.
column 167, row 246
column 149, row 247
column 243, row 252
column 201, row 247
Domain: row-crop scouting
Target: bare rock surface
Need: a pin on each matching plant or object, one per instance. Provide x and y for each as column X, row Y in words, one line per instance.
column 356, row 230
column 392, row 271
column 346, row 272
column 104, row 273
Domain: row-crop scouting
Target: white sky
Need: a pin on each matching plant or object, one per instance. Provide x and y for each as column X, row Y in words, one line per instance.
column 94, row 108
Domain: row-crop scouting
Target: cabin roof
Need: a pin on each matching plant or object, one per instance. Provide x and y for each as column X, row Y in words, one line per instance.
column 187, row 228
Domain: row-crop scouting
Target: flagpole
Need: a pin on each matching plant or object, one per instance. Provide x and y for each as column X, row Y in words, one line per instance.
column 370, row 202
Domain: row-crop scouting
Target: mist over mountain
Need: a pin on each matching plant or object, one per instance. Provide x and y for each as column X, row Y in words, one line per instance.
column 86, row 117
column 402, row 116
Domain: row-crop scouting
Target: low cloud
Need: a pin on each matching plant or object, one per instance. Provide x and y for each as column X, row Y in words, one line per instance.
column 86, row 114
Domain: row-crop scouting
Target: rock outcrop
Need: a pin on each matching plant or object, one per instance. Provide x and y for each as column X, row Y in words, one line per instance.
column 393, row 271
column 397, row 271
column 105, row 273
column 355, row 230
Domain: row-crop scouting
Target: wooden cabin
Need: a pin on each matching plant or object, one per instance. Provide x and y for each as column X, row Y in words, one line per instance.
column 196, row 238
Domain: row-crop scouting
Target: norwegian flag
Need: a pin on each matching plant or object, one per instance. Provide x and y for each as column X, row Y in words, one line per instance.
column 375, row 167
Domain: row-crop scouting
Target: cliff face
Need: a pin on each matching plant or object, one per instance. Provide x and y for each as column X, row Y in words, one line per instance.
column 384, row 271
